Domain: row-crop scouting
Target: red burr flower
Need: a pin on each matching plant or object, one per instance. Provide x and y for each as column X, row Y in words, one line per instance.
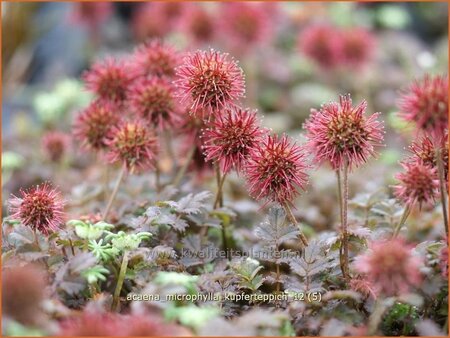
column 92, row 125
column 357, row 47
column 207, row 79
column 109, row 79
column 231, row 137
column 390, row 266
column 23, row 291
column 91, row 324
column 424, row 151
column 155, row 58
column 91, row 14
column 425, row 103
column 245, row 24
column 276, row 169
column 153, row 100
column 41, row 208
column 55, row 145
column 363, row 286
column 199, row 25
column 339, row 132
column 133, row 144
column 419, row 183
column 321, row 44
column 157, row 18
column 95, row 324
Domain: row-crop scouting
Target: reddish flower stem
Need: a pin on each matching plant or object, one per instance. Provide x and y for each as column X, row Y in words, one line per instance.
column 291, row 217
column 182, row 170
column 114, row 193
column 442, row 188
column 121, row 278
column 402, row 221
column 345, row 222
column 219, row 196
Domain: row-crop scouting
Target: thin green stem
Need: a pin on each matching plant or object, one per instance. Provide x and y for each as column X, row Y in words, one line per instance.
column 123, row 270
column 442, row 188
column 157, row 178
column 219, row 200
column 184, row 167
column 219, row 197
column 106, row 182
column 341, row 211
column 114, row 193
column 291, row 217
column 169, row 146
column 402, row 221
column 345, row 222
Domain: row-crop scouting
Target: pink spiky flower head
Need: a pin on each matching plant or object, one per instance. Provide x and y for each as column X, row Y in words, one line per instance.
column 390, row 266
column 93, row 125
column 321, row 43
column 276, row 170
column 245, row 25
column 155, row 58
column 109, row 79
column 153, row 100
column 424, row 151
column 209, row 80
column 339, row 132
column 425, row 103
column 230, row 138
column 41, row 208
column 91, row 14
column 133, row 144
column 55, row 144
column 199, row 25
column 357, row 47
column 418, row 183
column 147, row 23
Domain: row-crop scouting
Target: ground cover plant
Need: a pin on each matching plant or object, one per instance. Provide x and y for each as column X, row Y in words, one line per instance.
column 232, row 169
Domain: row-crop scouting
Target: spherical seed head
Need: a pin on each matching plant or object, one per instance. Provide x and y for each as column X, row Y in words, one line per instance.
column 55, row 144
column 155, row 58
column 390, row 266
column 91, row 14
column 357, row 47
column 93, row 125
column 41, row 208
column 321, row 44
column 92, row 324
column 153, row 100
column 230, row 138
column 425, row 103
column 418, row 184
column 339, row 132
column 151, row 325
column 133, row 144
column 276, row 170
column 109, row 79
column 147, row 23
column 198, row 24
column 22, row 293
column 245, row 24
column 363, row 286
column 424, row 151
column 209, row 80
